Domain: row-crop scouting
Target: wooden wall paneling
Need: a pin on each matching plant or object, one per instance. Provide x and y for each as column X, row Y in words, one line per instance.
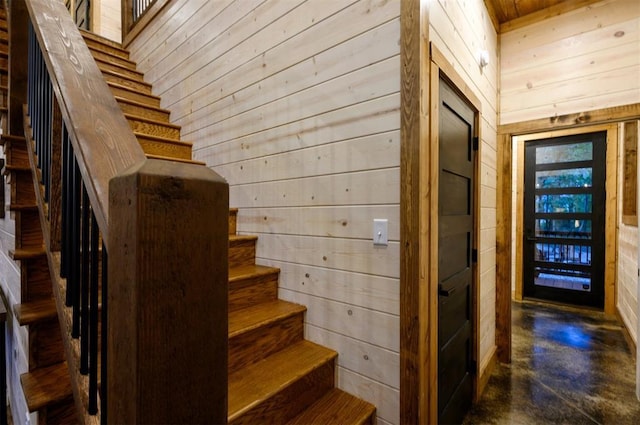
column 377, row 293
column 544, row 14
column 355, row 53
column 325, row 34
column 342, row 254
column 364, row 84
column 417, row 364
column 369, row 152
column 334, row 221
column 348, row 320
column 338, row 189
column 377, row 115
column 503, row 250
column 387, row 399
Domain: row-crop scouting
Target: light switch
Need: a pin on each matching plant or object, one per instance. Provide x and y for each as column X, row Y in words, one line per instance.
column 380, row 231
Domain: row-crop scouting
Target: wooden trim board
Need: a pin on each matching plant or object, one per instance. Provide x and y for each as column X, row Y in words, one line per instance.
column 627, row 335
column 417, row 397
column 483, row 380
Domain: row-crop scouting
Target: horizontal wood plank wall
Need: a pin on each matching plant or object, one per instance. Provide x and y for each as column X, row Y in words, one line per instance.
column 107, row 19
column 17, row 339
column 583, row 60
column 296, row 104
column 627, row 260
column 474, row 31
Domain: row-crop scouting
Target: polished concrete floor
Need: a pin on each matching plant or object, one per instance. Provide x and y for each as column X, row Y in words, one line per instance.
column 568, row 367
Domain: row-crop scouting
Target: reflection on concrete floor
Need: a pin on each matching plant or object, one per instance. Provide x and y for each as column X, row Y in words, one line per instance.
column 568, row 367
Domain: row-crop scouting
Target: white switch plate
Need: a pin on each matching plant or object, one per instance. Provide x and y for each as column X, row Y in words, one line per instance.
column 380, row 231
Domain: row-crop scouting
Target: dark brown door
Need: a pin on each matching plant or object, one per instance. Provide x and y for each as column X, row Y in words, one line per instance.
column 82, row 14
column 564, row 212
column 455, row 256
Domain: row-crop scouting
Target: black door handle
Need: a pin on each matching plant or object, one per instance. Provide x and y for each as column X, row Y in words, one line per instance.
column 531, row 239
column 447, row 292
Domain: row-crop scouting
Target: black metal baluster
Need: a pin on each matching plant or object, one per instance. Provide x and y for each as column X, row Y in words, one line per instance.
column 76, row 269
column 93, row 318
column 84, row 285
column 104, row 330
column 63, row 206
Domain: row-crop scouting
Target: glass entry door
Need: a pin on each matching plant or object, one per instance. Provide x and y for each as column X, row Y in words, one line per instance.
column 564, row 212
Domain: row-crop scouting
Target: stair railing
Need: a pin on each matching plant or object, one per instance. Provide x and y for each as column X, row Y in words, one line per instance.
column 163, row 226
column 136, row 14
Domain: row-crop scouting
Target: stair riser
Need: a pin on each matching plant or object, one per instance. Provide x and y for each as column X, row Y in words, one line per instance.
column 134, row 75
column 45, row 344
column 138, row 97
column 155, row 147
column 154, row 129
column 35, row 279
column 22, row 188
column 63, row 412
column 251, row 347
column 138, row 86
column 28, row 230
column 96, row 45
column 242, row 253
column 144, row 112
column 253, row 291
column 291, row 400
column 16, row 153
column 124, row 63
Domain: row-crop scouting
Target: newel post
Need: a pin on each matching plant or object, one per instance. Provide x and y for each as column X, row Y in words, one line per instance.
column 168, row 279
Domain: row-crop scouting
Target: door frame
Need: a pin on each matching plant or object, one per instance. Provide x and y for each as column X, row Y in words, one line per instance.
column 611, row 205
column 576, row 120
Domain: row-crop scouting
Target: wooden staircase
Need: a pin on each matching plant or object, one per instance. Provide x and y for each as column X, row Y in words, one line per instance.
column 275, row 376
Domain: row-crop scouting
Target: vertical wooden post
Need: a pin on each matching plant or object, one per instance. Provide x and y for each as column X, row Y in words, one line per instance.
column 168, row 279
column 503, row 250
column 18, row 64
column 126, row 11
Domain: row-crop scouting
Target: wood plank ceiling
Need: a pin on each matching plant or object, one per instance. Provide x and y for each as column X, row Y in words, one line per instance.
column 507, row 10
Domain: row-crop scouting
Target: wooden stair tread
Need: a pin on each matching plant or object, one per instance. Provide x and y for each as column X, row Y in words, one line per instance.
column 45, row 386
column 162, row 139
column 123, row 76
column 168, row 158
column 35, row 311
column 103, row 40
column 242, row 238
column 152, row 121
column 262, row 314
column 336, row 407
column 104, row 64
column 23, row 207
column 246, row 272
column 26, row 254
column 256, row 383
column 141, row 105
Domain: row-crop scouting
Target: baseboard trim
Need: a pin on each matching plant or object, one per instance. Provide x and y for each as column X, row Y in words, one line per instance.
column 486, row 373
column 627, row 336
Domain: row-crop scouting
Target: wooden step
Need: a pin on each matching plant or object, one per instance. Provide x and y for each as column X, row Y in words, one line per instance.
column 23, row 207
column 233, row 221
column 171, row 148
column 104, row 44
column 132, row 107
column 281, row 386
column 124, row 91
column 337, row 407
column 127, row 81
column 153, row 128
column 22, row 191
column 166, row 158
column 242, row 250
column 46, row 386
column 259, row 331
column 104, row 65
column 35, row 311
column 251, row 285
column 26, row 254
column 97, row 53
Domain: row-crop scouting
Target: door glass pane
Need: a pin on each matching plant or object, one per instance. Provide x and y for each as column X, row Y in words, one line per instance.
column 564, row 153
column 575, row 229
column 564, row 203
column 563, row 253
column 563, row 279
column 573, row 177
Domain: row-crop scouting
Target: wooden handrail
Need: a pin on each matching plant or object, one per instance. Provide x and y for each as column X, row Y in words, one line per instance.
column 87, row 105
